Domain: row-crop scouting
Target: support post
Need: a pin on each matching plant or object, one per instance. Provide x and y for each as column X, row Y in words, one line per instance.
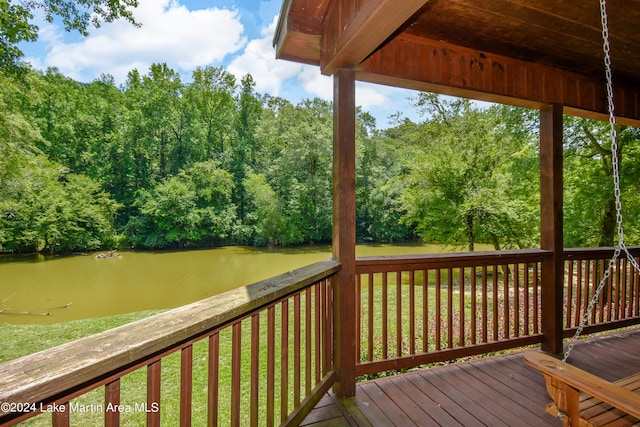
column 344, row 231
column 551, row 229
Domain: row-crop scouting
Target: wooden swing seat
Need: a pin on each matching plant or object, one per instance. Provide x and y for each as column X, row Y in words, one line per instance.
column 582, row 399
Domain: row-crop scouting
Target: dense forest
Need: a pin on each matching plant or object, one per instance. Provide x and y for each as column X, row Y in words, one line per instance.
column 159, row 162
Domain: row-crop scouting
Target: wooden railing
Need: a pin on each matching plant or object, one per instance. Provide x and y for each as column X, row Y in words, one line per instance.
column 433, row 308
column 261, row 352
column 618, row 303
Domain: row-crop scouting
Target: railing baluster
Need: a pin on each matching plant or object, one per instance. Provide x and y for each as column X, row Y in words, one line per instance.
column 370, row 322
column 399, row 313
column 255, row 369
column 622, row 301
column 449, row 307
column 568, row 301
column 296, row 349
column 154, row 371
column 474, row 306
column 271, row 346
column 213, row 380
column 579, row 290
column 412, row 313
column 62, row 418
column 236, row 360
column 635, row 283
column 326, row 327
column 111, row 400
column 307, row 341
column 536, row 299
column 385, row 312
column 506, row 306
column 437, row 308
column 485, row 305
column 318, row 331
column 284, row 357
column 495, row 308
column 527, row 300
column 186, row 385
column 359, row 318
column 616, row 300
column 425, row 310
column 462, row 308
column 601, row 297
column 516, row 299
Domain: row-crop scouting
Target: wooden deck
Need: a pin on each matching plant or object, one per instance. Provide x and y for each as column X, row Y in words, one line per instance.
column 495, row 391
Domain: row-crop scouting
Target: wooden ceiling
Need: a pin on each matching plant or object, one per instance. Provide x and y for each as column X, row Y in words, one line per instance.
column 522, row 52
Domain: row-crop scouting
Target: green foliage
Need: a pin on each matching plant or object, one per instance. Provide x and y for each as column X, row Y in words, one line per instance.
column 459, row 184
column 15, row 25
column 192, row 208
column 45, row 209
column 161, row 163
column 589, row 205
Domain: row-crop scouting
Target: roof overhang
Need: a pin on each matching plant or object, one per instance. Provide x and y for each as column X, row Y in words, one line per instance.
column 509, row 51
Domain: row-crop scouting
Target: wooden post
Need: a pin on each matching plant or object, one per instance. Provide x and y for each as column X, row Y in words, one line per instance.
column 344, row 230
column 551, row 226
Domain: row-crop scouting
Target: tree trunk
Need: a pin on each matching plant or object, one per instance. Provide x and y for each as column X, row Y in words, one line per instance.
column 470, row 235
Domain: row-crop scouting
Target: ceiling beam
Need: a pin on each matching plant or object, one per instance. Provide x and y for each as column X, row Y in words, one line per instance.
column 355, row 29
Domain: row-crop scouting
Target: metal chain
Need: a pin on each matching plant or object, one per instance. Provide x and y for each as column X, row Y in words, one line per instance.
column 621, row 247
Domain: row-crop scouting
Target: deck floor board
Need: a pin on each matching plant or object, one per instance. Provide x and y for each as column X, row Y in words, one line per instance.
column 494, row 391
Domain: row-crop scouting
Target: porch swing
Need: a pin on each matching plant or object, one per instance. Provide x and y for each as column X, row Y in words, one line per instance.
column 580, row 398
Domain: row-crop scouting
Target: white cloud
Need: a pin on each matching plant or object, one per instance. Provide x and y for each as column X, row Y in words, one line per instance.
column 259, row 60
column 369, row 95
column 170, row 33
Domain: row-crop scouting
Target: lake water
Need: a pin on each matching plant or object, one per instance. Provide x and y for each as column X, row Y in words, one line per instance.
column 43, row 290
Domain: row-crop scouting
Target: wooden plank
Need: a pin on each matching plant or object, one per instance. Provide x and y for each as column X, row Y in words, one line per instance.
column 236, row 359
column 112, row 399
column 154, row 372
column 255, row 367
column 482, row 388
column 186, row 385
column 376, row 406
column 551, row 225
column 344, row 230
column 507, row 395
column 352, row 33
column 412, row 411
column 505, row 380
column 213, row 376
column 480, row 411
column 430, row 406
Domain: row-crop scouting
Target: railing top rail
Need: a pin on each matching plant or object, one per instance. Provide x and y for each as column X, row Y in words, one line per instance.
column 42, row 375
column 596, row 253
column 456, row 259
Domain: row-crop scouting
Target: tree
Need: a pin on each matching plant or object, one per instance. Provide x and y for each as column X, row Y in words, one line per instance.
column 192, row 208
column 301, row 169
column 78, row 15
column 267, row 216
column 590, row 211
column 458, row 185
column 45, row 209
column 211, row 96
column 244, row 149
column 380, row 164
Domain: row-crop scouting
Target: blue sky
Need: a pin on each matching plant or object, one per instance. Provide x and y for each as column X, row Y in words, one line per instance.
column 235, row 34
